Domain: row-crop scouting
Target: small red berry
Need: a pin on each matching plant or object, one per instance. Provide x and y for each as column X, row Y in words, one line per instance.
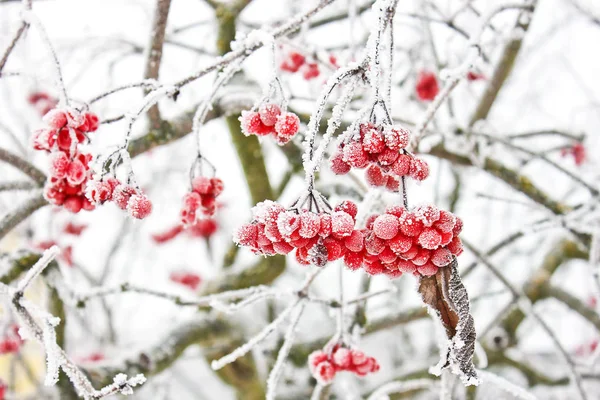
column 427, row 86
column 386, row 226
column 139, row 206
column 419, row 169
column 122, row 194
column 338, row 165
column 269, row 113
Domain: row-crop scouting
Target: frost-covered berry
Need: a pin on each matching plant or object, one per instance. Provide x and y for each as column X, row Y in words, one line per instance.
column 168, row 235
column 56, row 119
column 372, row 141
column 43, row 139
column 338, row 165
column 401, row 166
column 98, row 192
column 353, row 260
column 386, row 226
column 410, row 225
column 387, row 156
column 288, row 222
column 325, row 225
column 59, row 163
column 310, row 224
column 355, row 155
column 446, row 222
column 217, row 186
column 392, row 184
column 252, row 124
column 122, row 194
column 139, row 206
column 269, row 113
column 400, row 244
column 355, row 242
column 373, row 244
column 246, row 235
column 202, row 185
column 441, row 257
column 76, row 172
column 286, row 127
column 334, row 249
column 455, row 246
column 342, row 223
column 422, row 257
column 342, row 358
column 430, row 239
column 396, row 137
column 428, row 269
column 406, row 266
column 375, row 176
column 458, row 225
column 92, row 122
column 419, row 169
column 427, row 214
column 347, row 206
column 324, row 372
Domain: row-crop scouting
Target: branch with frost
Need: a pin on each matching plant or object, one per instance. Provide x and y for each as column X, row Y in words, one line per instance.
column 18, row 34
column 56, row 357
column 21, row 213
column 23, row 165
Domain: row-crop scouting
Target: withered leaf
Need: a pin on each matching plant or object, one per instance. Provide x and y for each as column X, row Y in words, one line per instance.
column 445, row 294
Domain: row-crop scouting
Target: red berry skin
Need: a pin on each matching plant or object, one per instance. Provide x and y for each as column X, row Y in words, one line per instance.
column 455, row 246
column 386, row 226
column 55, row 119
column 398, row 211
column 139, row 206
column 355, row 242
column 375, row 177
column 441, row 257
column 401, row 166
column 122, row 194
column 325, row 229
column 392, row 184
column 387, row 157
column 73, row 204
column 269, row 113
column 296, row 59
column 446, row 222
column 76, row 172
column 400, row 243
column 396, row 137
column 355, row 155
column 310, row 71
column 387, row 256
column 338, row 165
column 286, row 127
column 348, row 207
column 342, row 358
column 458, row 225
column 282, row 248
column 325, row 372
column 373, row 141
column 92, row 122
column 335, row 250
column 342, row 223
column 410, row 225
column 422, row 257
column 430, row 239
column 246, row 235
column 59, row 163
column 419, row 169
column 202, row 185
column 406, row 266
column 310, row 224
column 427, row 86
column 353, row 260
column 373, row 244
column 428, row 269
column 315, row 358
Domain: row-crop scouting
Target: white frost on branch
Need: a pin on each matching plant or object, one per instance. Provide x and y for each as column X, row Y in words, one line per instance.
column 516, row 391
column 401, row 387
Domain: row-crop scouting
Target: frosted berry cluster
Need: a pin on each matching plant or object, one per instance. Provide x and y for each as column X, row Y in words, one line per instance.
column 381, row 150
column 270, row 120
column 325, row 365
column 201, row 198
column 69, row 166
column 296, row 62
column 125, row 196
column 11, row 341
column 186, row 278
column 401, row 241
column 316, row 237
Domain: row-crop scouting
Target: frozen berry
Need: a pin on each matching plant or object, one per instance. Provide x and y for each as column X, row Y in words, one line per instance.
column 386, row 226
column 56, row 119
column 76, row 172
column 355, row 155
column 287, row 126
column 430, row 239
column 372, row 141
column 139, row 206
column 401, row 166
column 342, row 223
column 338, row 165
column 419, row 169
column 59, row 163
column 427, row 86
column 375, row 176
column 396, row 137
column 122, row 194
column 348, row 207
column 269, row 113
column 310, row 224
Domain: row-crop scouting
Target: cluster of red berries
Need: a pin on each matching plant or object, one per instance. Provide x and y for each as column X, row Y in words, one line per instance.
column 296, row 62
column 316, row 237
column 42, row 102
column 202, row 197
column 381, row 150
column 427, row 86
column 124, row 195
column 324, row 365
column 69, row 167
column 270, row 120
column 203, row 228
column 186, row 278
column 401, row 241
column 11, row 342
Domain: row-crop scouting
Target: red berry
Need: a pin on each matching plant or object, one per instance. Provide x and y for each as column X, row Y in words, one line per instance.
column 325, row 225
column 427, row 86
column 43, row 139
column 98, row 192
column 269, row 113
column 386, row 226
column 446, row 222
column 401, row 166
column 400, row 244
column 422, row 257
column 73, row 204
column 353, row 260
column 288, row 222
column 441, row 257
column 315, row 358
column 355, row 242
column 139, row 206
column 372, row 141
column 310, row 224
column 410, row 225
column 427, row 214
column 396, row 137
column 122, row 194
column 92, row 122
column 217, row 186
column 406, row 266
column 310, row 71
column 458, row 225
column 76, row 172
column 455, row 246
column 56, row 119
column 387, row 256
column 334, row 249
column 253, row 125
column 324, row 372
column 282, row 247
column 246, row 235
column 375, row 177
column 286, row 127
column 74, row 229
column 430, row 239
column 185, row 278
column 348, row 207
column 419, row 169
column 338, row 165
column 428, row 269
column 392, row 184
column 202, row 185
column 355, row 155
column 387, row 156
column 342, row 358
column 373, row 244
column 59, row 163
column 342, row 223
column 398, row 211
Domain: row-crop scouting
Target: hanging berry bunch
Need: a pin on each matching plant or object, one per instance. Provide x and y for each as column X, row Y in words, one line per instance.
column 324, row 365
column 65, row 131
column 270, row 117
column 202, row 195
column 11, row 341
column 381, row 149
column 296, row 62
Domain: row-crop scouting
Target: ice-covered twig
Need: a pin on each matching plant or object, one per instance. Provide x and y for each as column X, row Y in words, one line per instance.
column 277, row 370
column 249, row 345
column 18, row 34
column 146, row 84
column 37, row 268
